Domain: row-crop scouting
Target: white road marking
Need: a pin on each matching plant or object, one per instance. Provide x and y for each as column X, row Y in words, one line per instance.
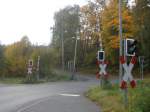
column 69, row 95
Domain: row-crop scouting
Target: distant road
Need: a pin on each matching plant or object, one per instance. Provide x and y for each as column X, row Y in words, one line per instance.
column 49, row 97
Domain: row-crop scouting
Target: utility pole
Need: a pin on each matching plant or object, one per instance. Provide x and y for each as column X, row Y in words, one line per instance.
column 62, row 43
column 98, row 30
column 38, row 67
column 76, row 43
column 75, row 54
column 75, row 50
column 120, row 35
column 98, row 26
column 121, row 53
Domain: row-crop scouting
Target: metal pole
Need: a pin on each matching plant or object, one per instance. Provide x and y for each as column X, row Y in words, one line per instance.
column 74, row 61
column 98, row 27
column 75, row 53
column 126, row 97
column 38, row 66
column 142, row 67
column 120, row 35
column 62, row 40
column 68, row 68
column 100, row 38
column 121, row 53
column 142, row 70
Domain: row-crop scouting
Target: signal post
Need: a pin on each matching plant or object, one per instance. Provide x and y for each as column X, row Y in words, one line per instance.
column 30, row 68
column 129, row 52
column 102, row 64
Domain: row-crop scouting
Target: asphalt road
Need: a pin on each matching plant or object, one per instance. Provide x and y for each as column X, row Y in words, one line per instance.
column 49, row 97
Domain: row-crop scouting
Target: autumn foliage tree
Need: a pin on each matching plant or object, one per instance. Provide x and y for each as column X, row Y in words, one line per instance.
column 17, row 56
column 107, row 13
column 91, row 29
column 110, row 26
column 14, row 58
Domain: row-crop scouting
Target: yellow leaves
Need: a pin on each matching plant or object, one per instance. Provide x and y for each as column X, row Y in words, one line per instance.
column 115, row 21
column 114, row 42
column 127, row 18
column 129, row 34
column 112, row 23
column 16, row 55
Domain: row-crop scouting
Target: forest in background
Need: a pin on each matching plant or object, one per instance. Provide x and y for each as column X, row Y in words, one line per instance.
column 14, row 58
column 75, row 21
column 98, row 22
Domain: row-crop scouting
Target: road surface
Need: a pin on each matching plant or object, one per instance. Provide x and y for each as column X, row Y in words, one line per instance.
column 49, row 97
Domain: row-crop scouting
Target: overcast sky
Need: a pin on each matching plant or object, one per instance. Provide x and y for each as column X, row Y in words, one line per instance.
column 29, row 17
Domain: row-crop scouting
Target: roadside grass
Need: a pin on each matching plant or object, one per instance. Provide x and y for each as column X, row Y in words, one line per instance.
column 112, row 99
column 58, row 76
column 11, row 80
column 108, row 100
column 53, row 77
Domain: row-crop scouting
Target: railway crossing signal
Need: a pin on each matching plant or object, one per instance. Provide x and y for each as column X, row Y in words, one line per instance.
column 102, row 69
column 101, row 55
column 130, row 45
column 102, row 64
column 30, row 66
column 128, row 75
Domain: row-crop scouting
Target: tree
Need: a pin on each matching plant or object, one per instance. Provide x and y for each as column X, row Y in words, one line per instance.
column 66, row 26
column 141, row 17
column 91, row 30
column 48, row 59
column 16, row 56
column 110, row 28
column 2, row 61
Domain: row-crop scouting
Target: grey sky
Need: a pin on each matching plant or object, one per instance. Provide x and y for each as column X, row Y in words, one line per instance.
column 29, row 17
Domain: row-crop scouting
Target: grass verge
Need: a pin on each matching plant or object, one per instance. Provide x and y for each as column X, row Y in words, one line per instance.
column 11, row 80
column 112, row 99
column 53, row 77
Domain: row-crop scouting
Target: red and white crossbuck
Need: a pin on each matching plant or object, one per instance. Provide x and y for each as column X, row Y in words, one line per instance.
column 127, row 74
column 102, row 69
